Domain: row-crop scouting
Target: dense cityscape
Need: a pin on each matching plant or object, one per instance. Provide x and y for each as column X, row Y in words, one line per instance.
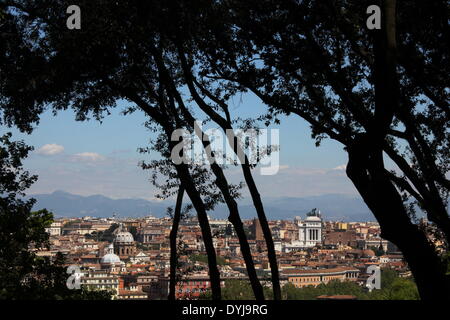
column 130, row 257
column 184, row 155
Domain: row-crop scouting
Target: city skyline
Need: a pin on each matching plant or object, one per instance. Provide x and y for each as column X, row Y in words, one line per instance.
column 334, row 206
column 129, row 256
column 223, row 150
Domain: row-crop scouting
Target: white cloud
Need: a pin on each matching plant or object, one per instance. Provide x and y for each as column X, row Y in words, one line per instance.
column 50, row 149
column 341, row 167
column 88, row 156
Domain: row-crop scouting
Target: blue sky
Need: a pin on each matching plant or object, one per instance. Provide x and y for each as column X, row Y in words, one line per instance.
column 101, row 158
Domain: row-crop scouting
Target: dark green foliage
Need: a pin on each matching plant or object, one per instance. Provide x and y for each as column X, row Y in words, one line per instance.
column 23, row 274
column 106, row 235
column 395, row 288
column 392, row 288
column 399, row 289
column 203, row 258
column 335, row 287
column 387, row 277
column 446, row 261
column 378, row 250
column 238, row 290
column 133, row 231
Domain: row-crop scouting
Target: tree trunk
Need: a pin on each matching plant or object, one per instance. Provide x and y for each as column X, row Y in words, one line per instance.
column 225, row 124
column 385, row 202
column 265, row 229
column 173, row 244
column 367, row 170
column 247, row 255
column 234, row 217
column 188, row 184
column 197, row 202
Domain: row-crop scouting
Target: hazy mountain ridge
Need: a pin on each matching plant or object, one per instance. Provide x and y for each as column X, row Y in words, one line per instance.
column 64, row 204
column 333, row 207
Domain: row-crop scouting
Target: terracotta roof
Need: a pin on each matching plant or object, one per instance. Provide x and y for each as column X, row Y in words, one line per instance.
column 318, row 271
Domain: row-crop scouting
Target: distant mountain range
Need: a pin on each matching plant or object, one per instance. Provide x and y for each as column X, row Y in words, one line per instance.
column 332, row 206
column 64, row 204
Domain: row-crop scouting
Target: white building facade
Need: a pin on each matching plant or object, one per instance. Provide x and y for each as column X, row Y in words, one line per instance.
column 310, row 230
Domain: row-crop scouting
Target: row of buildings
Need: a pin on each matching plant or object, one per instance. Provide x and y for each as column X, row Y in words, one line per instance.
column 131, row 257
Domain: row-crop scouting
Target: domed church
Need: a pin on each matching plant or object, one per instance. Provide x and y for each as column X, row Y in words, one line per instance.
column 124, row 244
column 110, row 261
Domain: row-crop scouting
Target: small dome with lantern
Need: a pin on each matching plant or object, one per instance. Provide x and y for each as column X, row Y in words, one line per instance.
column 110, row 257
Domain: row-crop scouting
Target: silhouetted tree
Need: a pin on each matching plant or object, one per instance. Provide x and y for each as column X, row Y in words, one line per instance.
column 382, row 93
column 173, row 243
column 99, row 81
column 211, row 197
column 137, row 67
column 23, row 274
